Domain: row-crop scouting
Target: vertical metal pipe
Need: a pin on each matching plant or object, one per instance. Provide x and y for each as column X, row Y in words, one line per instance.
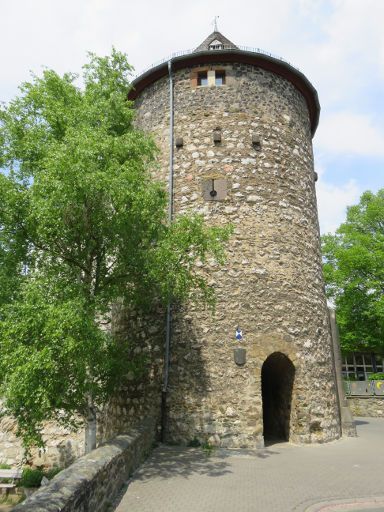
column 171, row 118
column 169, row 307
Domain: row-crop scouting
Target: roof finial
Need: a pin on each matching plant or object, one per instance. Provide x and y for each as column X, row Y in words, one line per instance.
column 214, row 23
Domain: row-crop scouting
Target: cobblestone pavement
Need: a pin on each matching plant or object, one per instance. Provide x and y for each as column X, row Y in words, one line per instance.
column 343, row 475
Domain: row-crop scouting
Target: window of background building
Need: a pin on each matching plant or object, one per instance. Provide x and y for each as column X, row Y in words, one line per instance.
column 358, row 366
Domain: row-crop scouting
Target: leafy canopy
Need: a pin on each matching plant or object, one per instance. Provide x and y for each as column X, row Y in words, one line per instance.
column 82, row 224
column 354, row 274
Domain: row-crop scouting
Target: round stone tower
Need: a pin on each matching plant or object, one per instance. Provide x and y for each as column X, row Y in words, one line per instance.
column 260, row 367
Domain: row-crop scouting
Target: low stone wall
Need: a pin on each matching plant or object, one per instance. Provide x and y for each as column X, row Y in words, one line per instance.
column 370, row 406
column 93, row 481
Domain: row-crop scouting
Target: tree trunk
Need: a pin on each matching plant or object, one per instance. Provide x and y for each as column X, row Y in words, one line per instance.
column 90, row 428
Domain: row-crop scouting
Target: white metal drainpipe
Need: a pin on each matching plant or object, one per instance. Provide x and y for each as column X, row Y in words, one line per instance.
column 169, row 306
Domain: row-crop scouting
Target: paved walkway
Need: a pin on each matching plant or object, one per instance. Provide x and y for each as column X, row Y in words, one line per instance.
column 6, row 506
column 342, row 475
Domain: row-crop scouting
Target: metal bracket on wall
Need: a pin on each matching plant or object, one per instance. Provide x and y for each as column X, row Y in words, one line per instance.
column 239, row 355
column 214, row 189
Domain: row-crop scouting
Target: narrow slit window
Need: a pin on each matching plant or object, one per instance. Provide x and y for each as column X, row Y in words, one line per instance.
column 220, row 78
column 202, row 78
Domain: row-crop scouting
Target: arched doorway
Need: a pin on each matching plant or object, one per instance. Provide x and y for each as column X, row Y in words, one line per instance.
column 277, row 376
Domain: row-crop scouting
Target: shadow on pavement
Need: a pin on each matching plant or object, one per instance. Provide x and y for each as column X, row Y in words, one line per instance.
column 168, row 462
column 265, row 454
column 261, row 453
column 172, row 461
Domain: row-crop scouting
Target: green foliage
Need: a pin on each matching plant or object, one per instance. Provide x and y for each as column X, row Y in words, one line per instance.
column 53, row 356
column 194, row 443
column 82, row 225
column 376, row 376
column 351, row 377
column 208, row 449
column 50, row 473
column 354, row 274
column 31, row 477
column 5, row 466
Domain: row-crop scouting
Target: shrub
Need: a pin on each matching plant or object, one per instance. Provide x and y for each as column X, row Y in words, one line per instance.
column 31, row 477
column 194, row 443
column 50, row 473
column 208, row 449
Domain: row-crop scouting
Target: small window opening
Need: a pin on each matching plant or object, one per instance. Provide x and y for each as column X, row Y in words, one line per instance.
column 220, row 78
column 217, row 136
column 216, row 45
column 202, row 78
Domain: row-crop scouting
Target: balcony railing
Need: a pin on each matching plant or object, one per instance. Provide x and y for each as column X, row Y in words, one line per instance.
column 224, row 47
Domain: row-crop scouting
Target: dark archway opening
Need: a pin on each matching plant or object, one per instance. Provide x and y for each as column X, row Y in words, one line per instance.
column 277, row 376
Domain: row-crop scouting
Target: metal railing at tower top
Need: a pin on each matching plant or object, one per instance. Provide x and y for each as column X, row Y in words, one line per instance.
column 224, row 47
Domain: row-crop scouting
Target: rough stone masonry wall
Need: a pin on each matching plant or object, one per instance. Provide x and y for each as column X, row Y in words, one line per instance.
column 139, row 397
column 368, row 406
column 62, row 445
column 92, row 482
column 271, row 285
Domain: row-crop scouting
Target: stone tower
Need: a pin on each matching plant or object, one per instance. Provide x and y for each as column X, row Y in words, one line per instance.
column 241, row 153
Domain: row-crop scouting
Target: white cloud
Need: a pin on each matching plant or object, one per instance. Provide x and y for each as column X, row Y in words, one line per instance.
column 332, row 202
column 355, row 30
column 333, row 41
column 338, row 44
column 350, row 133
column 344, row 55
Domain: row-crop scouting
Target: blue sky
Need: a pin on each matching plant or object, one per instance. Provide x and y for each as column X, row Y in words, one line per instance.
column 337, row 44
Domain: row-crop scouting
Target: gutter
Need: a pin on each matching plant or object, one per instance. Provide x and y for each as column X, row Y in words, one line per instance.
column 168, row 325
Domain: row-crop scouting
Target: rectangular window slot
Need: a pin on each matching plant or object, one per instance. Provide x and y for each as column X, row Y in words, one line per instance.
column 202, row 79
column 256, row 142
column 220, row 78
column 217, row 136
column 208, row 78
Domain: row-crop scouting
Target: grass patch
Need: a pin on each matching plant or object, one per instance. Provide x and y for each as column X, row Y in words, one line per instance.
column 208, row 449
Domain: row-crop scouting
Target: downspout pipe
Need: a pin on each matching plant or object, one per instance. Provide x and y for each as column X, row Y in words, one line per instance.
column 168, row 326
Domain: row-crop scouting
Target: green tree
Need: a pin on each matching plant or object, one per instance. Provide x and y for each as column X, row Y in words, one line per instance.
column 354, row 274
column 82, row 225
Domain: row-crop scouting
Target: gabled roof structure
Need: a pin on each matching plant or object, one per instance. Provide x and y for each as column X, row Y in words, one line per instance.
column 216, row 38
column 216, row 48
